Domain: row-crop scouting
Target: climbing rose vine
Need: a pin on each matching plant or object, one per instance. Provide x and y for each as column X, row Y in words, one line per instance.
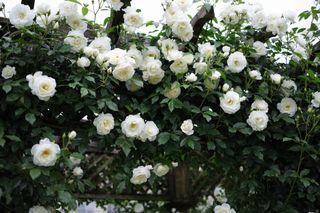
column 86, row 112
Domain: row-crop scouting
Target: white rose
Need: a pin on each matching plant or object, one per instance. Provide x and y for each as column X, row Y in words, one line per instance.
column 38, row 209
column 289, row 85
column 172, row 13
column 132, row 18
column 160, row 169
column 43, row 8
column 141, row 174
column 8, row 72
column 76, row 22
column 230, row 102
column 72, row 135
column 45, row 153
column 255, row 74
column 101, row 44
column 258, row 120
column 290, row 16
column 150, row 132
column 206, row 50
column 288, row 106
column 169, row 49
column 152, row 52
column 42, row 86
column 225, row 87
column 277, row 25
column 260, row 105
column 77, row 171
column 45, row 20
column 138, row 208
column 123, row 72
column 260, row 49
column 316, row 99
column 115, row 56
column 83, row 62
column 191, row 77
column 75, row 161
column 224, row 208
column 135, row 54
column 104, row 123
column 183, row 29
column 116, row 4
column 276, row 78
column 76, row 40
column 173, row 91
column 132, row 126
column 200, row 67
column 220, row 194
column 187, row 127
column 90, row 52
column 226, row 49
column 153, row 72
column 237, row 62
column 184, row 5
column 215, row 75
column 21, row 16
column 181, row 64
column 67, row 8
column 258, row 20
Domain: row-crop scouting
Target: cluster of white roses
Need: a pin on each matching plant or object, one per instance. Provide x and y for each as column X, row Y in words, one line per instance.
column 177, row 19
column 135, row 127
column 141, row 174
column 253, row 11
column 132, row 127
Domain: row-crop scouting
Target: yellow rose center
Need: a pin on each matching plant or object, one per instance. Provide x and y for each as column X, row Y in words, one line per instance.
column 45, row 86
column 46, row 153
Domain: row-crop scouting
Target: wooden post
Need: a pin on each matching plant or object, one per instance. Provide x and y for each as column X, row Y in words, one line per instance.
column 28, row 2
column 180, row 188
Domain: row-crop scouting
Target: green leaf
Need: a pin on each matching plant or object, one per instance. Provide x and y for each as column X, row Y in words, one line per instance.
column 30, row 117
column 14, row 138
column 35, row 173
column 12, row 97
column 64, row 196
column 121, row 187
column 112, row 105
column 85, row 11
column 7, row 88
column 89, row 78
column 84, row 91
column 2, row 142
column 211, row 146
column 163, row 138
column 125, row 145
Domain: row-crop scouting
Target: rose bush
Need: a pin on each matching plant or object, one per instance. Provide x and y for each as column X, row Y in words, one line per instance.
column 239, row 108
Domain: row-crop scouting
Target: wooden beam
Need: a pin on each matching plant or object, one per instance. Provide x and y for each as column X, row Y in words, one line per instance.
column 28, row 2
column 203, row 16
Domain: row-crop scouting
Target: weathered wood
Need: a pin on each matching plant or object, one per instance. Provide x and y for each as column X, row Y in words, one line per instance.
column 115, row 21
column 180, row 188
column 28, row 2
column 199, row 20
